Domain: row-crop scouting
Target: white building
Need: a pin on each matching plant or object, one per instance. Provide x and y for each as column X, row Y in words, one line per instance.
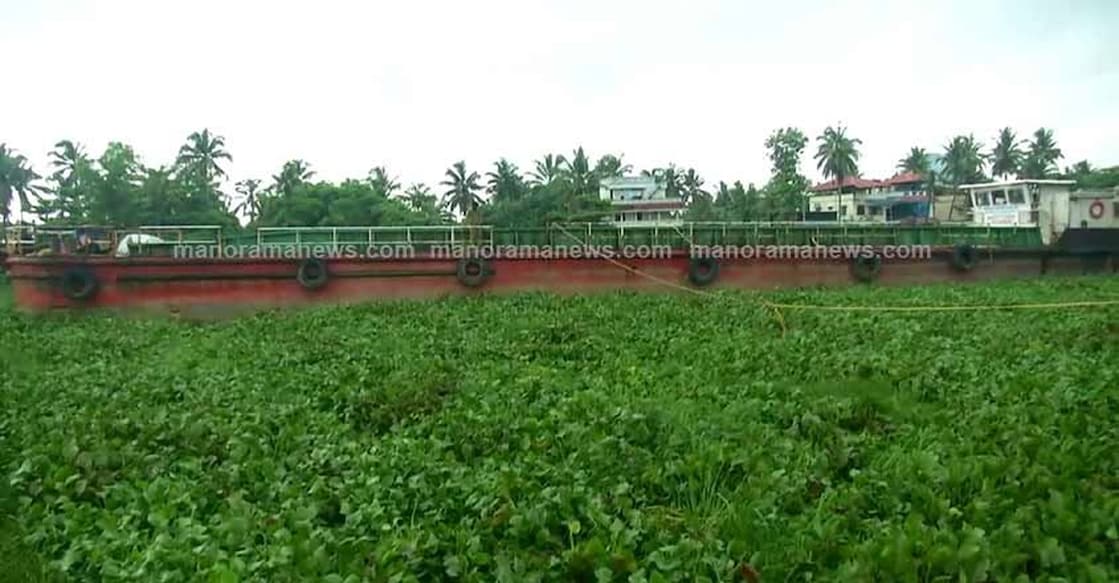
column 902, row 197
column 640, row 200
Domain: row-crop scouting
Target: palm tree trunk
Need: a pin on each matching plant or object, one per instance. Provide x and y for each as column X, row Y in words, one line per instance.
column 952, row 209
column 471, row 219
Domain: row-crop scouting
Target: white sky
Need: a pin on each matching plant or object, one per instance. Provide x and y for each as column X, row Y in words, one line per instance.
column 415, row 85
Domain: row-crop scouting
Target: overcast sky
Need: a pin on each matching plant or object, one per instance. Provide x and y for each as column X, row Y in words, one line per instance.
column 416, row 85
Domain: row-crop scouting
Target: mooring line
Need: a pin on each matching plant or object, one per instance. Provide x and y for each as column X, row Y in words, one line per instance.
column 776, row 307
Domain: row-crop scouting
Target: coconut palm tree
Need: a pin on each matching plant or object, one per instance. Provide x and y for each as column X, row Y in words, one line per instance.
column 380, row 180
column 917, row 161
column 1006, row 157
column 1042, row 155
column 16, row 179
column 963, row 163
column 963, row 160
column 419, row 197
column 70, row 164
column 462, row 194
column 293, row 174
column 1079, row 171
column 201, row 155
column 504, row 182
column 249, row 190
column 548, row 169
column 837, row 157
column 578, row 173
column 611, row 166
column 1081, row 168
column 67, row 158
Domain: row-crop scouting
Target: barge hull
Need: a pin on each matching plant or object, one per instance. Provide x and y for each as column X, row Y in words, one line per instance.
column 215, row 288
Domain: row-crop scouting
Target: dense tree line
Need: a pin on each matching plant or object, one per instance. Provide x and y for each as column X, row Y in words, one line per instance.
column 117, row 188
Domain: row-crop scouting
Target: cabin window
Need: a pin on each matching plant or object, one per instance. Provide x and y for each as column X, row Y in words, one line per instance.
column 860, row 210
column 983, row 199
column 998, row 197
column 1016, row 196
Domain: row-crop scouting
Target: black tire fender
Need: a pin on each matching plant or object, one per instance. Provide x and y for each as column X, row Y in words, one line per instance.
column 964, row 257
column 313, row 273
column 703, row 271
column 866, row 268
column 472, row 271
column 79, row 284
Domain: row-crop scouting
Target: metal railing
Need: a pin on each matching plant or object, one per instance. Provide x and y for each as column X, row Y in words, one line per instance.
column 338, row 237
column 162, row 240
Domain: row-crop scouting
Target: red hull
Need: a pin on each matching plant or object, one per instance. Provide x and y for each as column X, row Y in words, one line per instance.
column 215, row 287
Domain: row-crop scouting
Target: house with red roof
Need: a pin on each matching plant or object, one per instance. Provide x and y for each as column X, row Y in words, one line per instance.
column 901, row 197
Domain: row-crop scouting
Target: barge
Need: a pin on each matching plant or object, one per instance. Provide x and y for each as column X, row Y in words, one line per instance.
column 202, row 271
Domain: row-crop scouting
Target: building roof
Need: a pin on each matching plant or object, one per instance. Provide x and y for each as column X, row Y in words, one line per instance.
column 1017, row 182
column 848, row 181
column 859, row 183
column 905, row 178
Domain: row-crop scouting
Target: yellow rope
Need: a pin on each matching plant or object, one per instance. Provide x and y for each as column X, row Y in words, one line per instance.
column 777, row 307
column 1039, row 306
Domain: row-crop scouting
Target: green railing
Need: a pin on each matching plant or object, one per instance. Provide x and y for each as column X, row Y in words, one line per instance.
column 417, row 237
column 759, row 234
column 163, row 240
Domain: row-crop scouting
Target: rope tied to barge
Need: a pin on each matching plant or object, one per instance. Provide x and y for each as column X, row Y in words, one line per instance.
column 776, row 307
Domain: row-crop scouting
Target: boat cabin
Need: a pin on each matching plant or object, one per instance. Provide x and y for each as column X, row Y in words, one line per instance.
column 1022, row 203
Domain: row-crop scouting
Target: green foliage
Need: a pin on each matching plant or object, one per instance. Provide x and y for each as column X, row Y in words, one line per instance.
column 963, row 161
column 462, row 195
column 611, row 166
column 837, row 154
column 351, row 203
column 558, row 190
column 544, row 204
column 117, row 189
column 1042, row 156
column 1007, row 157
column 533, row 438
column 1089, row 178
column 17, row 179
column 548, row 169
column 786, row 190
column 917, row 161
column 505, row 183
